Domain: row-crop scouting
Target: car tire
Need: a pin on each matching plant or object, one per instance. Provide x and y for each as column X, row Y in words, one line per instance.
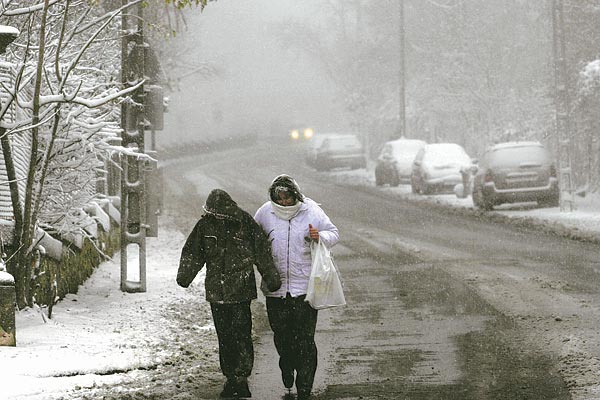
column 426, row 190
column 480, row 201
column 551, row 201
column 395, row 180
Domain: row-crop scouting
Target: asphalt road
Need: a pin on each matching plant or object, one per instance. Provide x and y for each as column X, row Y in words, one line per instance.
column 441, row 304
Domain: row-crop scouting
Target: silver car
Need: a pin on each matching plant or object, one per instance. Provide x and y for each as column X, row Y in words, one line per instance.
column 339, row 151
column 516, row 172
column 437, row 166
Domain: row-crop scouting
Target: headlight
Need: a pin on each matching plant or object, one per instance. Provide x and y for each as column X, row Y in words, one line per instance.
column 308, row 133
column 295, row 134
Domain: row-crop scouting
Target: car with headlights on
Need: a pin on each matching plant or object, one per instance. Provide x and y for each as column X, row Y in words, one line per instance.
column 520, row 171
column 395, row 161
column 301, row 133
column 338, row 151
column 437, row 168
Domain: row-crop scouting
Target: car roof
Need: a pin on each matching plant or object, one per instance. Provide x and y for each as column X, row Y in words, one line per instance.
column 445, row 152
column 507, row 145
column 439, row 146
column 404, row 142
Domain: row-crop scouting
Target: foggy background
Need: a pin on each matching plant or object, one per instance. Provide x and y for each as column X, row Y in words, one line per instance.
column 476, row 73
column 250, row 83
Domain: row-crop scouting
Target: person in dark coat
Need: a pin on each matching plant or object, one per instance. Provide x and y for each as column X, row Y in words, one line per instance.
column 230, row 242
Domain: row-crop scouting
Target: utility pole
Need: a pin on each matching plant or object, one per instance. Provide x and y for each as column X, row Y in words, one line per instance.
column 562, row 104
column 402, row 105
column 133, row 207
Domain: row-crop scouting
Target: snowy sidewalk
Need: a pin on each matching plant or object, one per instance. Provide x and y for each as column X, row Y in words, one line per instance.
column 98, row 331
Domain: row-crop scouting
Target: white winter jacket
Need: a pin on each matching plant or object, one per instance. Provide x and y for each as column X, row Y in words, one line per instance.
column 291, row 243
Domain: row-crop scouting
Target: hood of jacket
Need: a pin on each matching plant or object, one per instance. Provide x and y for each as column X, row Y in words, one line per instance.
column 286, row 183
column 220, row 204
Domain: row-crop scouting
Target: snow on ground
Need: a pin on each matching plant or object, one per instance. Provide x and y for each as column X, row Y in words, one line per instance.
column 99, row 330
column 102, row 330
column 584, row 219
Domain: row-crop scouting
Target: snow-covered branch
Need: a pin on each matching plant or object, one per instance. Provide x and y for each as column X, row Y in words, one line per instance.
column 90, row 103
column 26, row 10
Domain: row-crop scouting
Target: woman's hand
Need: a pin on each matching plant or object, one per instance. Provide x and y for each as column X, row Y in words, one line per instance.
column 313, row 233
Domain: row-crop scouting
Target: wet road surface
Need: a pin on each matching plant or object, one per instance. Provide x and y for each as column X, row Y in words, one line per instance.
column 441, row 305
column 412, row 329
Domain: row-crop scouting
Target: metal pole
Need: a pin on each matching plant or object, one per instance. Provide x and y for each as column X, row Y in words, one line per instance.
column 562, row 103
column 133, row 205
column 402, row 105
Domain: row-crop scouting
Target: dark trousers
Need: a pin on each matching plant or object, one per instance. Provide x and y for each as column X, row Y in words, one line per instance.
column 233, row 323
column 293, row 322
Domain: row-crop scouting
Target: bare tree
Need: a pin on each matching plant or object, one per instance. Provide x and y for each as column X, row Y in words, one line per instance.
column 67, row 90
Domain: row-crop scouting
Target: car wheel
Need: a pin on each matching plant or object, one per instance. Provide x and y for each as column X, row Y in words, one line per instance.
column 426, row 190
column 395, row 180
column 480, row 201
column 551, row 201
column 378, row 179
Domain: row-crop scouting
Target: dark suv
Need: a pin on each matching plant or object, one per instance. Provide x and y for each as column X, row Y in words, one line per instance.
column 515, row 172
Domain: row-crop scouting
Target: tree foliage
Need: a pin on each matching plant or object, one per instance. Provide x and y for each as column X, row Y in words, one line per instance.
column 475, row 72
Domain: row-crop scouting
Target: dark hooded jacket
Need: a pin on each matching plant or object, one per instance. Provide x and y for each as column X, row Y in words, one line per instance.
column 229, row 241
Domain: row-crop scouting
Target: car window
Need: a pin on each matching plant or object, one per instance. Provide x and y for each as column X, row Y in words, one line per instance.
column 518, row 155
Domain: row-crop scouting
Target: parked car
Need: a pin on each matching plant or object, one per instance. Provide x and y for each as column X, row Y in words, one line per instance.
column 436, row 168
column 395, row 161
column 338, row 151
column 516, row 172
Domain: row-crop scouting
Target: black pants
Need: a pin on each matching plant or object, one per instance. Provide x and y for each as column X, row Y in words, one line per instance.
column 233, row 323
column 293, row 322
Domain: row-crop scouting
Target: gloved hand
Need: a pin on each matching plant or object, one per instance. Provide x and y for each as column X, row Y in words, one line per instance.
column 313, row 233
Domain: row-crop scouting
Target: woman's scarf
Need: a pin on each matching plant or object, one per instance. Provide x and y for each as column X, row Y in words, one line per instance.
column 286, row 212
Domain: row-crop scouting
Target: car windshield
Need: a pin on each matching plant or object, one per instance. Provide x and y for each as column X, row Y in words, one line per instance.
column 446, row 155
column 518, row 155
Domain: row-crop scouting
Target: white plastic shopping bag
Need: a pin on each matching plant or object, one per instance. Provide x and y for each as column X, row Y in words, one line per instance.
column 324, row 285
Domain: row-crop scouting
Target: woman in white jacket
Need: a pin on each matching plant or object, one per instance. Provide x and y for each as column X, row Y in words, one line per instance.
column 291, row 221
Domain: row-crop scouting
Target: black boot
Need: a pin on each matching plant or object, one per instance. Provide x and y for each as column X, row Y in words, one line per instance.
column 228, row 389
column 288, row 378
column 303, row 395
column 242, row 389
